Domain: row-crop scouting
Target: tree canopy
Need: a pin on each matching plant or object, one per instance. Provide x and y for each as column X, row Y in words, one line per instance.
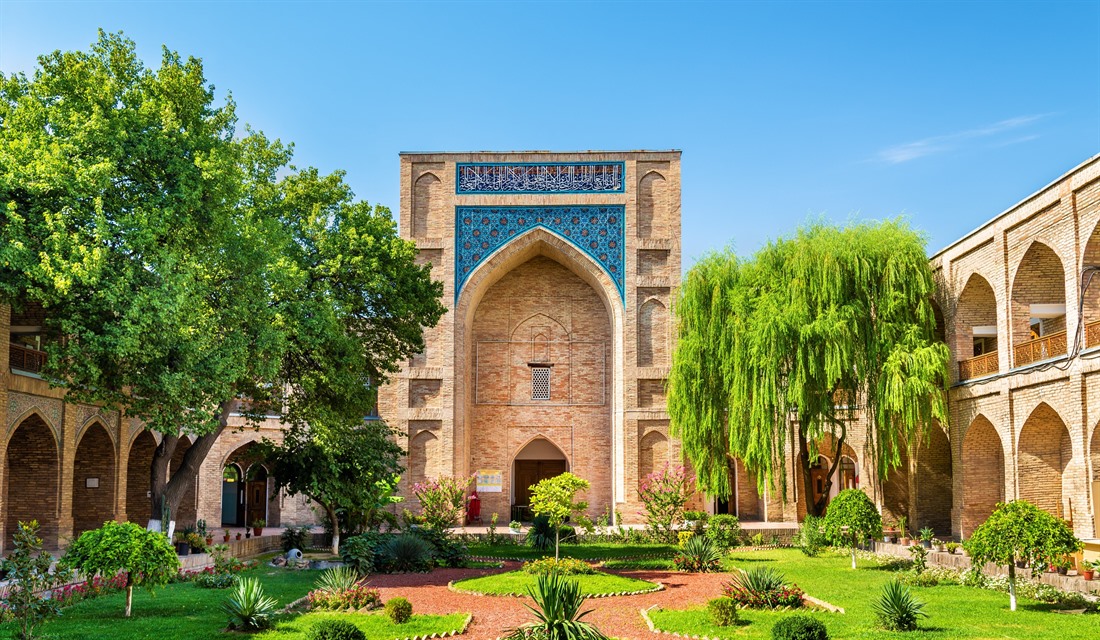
column 783, row 347
column 851, row 519
column 1019, row 530
column 553, row 498
column 351, row 470
column 188, row 265
column 147, row 558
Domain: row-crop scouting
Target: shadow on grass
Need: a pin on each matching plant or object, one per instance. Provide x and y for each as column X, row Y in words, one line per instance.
column 750, row 559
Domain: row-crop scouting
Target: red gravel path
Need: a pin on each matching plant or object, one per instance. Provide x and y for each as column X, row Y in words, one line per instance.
column 493, row 615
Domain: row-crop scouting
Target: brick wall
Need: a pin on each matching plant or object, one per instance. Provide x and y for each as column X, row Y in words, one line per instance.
column 983, row 471
column 31, row 480
column 95, row 458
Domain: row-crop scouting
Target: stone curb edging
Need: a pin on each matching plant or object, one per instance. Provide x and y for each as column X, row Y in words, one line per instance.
column 659, row 586
column 649, row 556
column 821, row 604
column 297, row 603
column 654, row 629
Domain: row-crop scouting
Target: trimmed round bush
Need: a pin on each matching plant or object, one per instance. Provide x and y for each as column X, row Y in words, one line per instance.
column 399, row 610
column 336, row 630
column 799, row 627
column 563, row 566
column 723, row 611
column 724, row 530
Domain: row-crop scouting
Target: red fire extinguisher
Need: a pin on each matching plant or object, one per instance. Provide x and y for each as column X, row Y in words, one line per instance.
column 473, row 508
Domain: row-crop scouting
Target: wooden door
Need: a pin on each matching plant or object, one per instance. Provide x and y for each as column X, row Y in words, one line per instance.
column 530, row 472
column 257, row 501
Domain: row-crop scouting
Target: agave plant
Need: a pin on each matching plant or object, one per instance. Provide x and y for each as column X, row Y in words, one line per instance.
column 700, row 554
column 558, row 616
column 897, row 609
column 407, row 552
column 338, row 579
column 758, row 580
column 247, row 607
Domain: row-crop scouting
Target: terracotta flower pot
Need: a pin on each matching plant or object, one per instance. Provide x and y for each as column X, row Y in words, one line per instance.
column 1088, row 574
column 210, row 541
column 225, row 538
column 238, row 535
column 257, row 531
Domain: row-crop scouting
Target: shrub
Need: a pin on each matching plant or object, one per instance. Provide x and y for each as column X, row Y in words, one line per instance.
column 541, row 534
column 336, row 630
column 762, row 588
column 405, row 553
column 758, row 540
column 562, row 566
column 337, row 579
column 724, row 530
column 698, row 520
column 442, row 500
column 447, row 549
column 683, row 536
column 920, row 558
column 558, row 600
column 361, row 551
column 897, row 609
column 811, row 537
column 723, row 611
column 215, row 580
column 295, row 538
column 28, row 571
column 354, row 598
column 399, row 610
column 700, row 555
column 663, row 494
column 248, row 608
column 799, row 627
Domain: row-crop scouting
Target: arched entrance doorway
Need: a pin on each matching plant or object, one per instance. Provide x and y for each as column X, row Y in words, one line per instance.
column 1045, row 454
column 138, row 469
column 93, row 480
column 255, row 482
column 539, row 460
column 31, row 481
column 232, row 496
column 983, row 469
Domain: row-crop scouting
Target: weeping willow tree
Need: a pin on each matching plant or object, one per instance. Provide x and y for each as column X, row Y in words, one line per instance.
column 776, row 351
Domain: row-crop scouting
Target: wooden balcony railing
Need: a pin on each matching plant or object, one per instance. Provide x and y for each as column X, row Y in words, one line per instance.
column 978, row 366
column 25, row 359
column 1040, row 349
column 1092, row 334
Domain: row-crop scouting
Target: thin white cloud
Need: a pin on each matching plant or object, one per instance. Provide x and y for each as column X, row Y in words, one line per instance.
column 939, row 144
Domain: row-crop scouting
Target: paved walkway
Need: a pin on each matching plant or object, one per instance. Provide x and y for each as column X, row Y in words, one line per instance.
column 494, row 615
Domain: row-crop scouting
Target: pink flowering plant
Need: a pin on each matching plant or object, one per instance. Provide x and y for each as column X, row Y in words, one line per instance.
column 351, row 599
column 442, row 500
column 663, row 494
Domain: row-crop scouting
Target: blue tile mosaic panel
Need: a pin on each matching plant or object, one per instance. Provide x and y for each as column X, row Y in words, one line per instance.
column 523, row 177
column 596, row 230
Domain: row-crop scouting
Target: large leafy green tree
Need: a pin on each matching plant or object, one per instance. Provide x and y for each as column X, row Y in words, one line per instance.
column 1019, row 530
column 185, row 266
column 350, row 470
column 777, row 349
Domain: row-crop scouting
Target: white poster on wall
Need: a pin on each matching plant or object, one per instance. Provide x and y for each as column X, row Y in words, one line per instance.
column 490, row 481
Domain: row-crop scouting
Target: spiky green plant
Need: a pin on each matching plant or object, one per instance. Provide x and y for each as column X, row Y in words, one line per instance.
column 700, row 554
column 758, row 580
column 247, row 606
column 558, row 615
column 897, row 609
column 338, row 579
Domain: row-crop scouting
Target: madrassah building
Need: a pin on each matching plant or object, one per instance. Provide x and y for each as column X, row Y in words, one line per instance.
column 559, row 273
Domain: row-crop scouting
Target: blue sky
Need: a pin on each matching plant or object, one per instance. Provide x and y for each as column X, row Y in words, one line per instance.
column 945, row 113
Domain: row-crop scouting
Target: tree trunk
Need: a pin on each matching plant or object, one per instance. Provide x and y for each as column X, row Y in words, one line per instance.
column 731, row 473
column 165, row 490
column 853, row 552
column 807, row 481
column 129, row 597
column 1012, row 586
column 557, row 539
column 335, row 529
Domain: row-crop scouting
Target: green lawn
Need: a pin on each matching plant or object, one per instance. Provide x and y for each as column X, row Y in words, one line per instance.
column 375, row 626
column 582, row 551
column 518, row 582
column 956, row 611
column 176, row 611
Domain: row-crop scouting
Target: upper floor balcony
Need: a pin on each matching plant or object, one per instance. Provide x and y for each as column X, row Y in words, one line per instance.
column 25, row 358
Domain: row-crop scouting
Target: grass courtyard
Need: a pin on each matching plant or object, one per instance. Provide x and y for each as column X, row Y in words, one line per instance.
column 955, row 611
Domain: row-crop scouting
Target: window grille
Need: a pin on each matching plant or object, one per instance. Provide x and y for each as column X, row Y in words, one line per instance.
column 540, row 383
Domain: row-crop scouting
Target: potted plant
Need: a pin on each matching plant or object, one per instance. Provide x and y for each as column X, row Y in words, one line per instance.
column 514, row 526
column 182, row 547
column 208, row 536
column 888, row 533
column 1088, row 569
column 926, row 535
column 903, row 528
column 938, row 545
column 238, row 535
column 225, row 538
column 196, row 542
column 952, row 547
column 258, row 526
column 1063, row 566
